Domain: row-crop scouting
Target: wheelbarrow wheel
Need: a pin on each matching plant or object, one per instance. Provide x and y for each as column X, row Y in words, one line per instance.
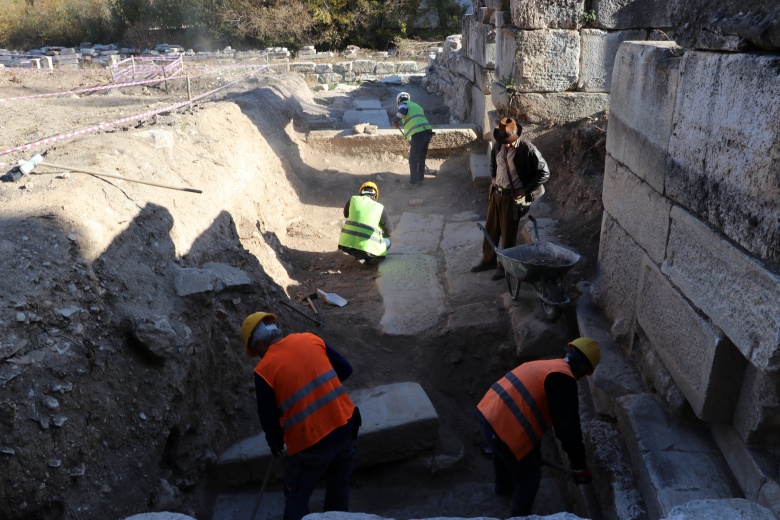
column 551, row 312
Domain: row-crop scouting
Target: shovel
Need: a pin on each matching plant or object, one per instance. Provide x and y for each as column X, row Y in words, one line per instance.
column 332, row 298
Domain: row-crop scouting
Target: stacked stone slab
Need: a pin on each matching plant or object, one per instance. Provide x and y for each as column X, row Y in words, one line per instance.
column 689, row 241
column 539, row 60
column 399, row 422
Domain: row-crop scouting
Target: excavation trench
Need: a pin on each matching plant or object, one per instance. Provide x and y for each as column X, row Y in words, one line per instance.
column 123, row 368
column 453, row 333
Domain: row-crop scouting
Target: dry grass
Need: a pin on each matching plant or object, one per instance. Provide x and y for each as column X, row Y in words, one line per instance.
column 413, row 49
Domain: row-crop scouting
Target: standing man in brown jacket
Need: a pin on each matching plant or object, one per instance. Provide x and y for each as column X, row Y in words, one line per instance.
column 518, row 173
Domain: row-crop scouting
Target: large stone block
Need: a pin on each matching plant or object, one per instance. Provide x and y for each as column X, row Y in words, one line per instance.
column 724, row 153
column 481, row 48
column 744, row 466
column 363, row 66
column 707, row 367
column 559, row 107
column 460, row 101
column 615, row 286
column 597, row 58
column 465, row 68
column 506, row 47
column 481, row 106
column 399, row 421
column 615, row 376
column 468, row 29
column 638, row 208
column 735, row 291
column 343, row 66
column 728, row 25
column 757, row 418
column 545, row 61
column 303, row 67
column 484, row 78
column 642, row 99
column 721, row 509
column 408, row 67
column 631, row 14
column 547, row 14
column 676, row 463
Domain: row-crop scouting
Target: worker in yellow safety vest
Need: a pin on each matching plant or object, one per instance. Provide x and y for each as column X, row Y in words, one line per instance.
column 521, row 406
column 302, row 405
column 365, row 234
column 418, row 131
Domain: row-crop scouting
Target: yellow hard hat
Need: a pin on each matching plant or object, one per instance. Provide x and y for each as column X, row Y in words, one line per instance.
column 590, row 348
column 370, row 185
column 249, row 325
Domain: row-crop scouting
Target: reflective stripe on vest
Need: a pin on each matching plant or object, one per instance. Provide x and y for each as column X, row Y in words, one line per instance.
column 308, row 392
column 414, row 121
column 361, row 230
column 516, row 405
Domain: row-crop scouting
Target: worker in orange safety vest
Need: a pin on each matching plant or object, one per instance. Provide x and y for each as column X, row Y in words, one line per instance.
column 301, row 404
column 521, row 406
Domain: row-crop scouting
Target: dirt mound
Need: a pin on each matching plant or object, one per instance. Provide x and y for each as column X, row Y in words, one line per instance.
column 88, row 262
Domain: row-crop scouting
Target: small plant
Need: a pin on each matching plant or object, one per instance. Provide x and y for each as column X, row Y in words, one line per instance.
column 511, row 88
column 588, row 17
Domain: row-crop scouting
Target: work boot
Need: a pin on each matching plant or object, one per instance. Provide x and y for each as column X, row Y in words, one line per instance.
column 482, row 267
column 499, row 274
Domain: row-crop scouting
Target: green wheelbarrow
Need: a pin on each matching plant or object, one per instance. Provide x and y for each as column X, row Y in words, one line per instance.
column 540, row 264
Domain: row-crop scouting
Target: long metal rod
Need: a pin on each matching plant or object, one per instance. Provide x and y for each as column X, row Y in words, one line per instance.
column 262, row 489
column 101, row 174
column 319, row 323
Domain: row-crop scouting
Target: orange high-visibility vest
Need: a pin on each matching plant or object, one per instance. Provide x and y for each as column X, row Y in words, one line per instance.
column 516, row 405
column 308, row 392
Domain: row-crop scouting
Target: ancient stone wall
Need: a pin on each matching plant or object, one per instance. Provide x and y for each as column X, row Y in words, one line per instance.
column 541, row 61
column 690, row 242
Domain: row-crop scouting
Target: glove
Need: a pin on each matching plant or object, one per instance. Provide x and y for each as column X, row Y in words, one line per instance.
column 395, row 124
column 584, row 476
column 277, row 452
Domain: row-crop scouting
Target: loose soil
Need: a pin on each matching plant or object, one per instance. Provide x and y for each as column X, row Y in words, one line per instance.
column 93, row 424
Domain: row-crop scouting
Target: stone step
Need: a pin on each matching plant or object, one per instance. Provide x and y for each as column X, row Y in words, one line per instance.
column 447, row 140
column 479, row 164
column 675, row 462
column 399, row 421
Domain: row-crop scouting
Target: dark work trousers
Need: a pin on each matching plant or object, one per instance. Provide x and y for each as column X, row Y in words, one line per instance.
column 333, row 460
column 519, row 476
column 499, row 223
column 418, row 151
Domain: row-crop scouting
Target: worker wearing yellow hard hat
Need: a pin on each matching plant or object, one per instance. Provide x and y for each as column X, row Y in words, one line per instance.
column 521, row 406
column 302, row 404
column 366, row 232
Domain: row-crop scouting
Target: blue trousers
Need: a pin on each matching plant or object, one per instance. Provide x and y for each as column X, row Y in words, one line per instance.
column 418, row 151
column 333, row 459
column 521, row 477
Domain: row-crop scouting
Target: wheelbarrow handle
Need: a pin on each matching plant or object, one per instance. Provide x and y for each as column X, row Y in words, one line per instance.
column 536, row 229
column 490, row 240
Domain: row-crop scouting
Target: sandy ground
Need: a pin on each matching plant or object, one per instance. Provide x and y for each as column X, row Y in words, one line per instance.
column 86, row 408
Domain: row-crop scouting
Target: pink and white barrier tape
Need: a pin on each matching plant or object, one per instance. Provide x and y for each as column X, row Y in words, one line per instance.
column 102, row 126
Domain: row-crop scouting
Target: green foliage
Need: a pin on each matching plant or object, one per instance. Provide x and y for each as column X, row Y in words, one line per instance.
column 511, row 88
column 588, row 17
column 329, row 24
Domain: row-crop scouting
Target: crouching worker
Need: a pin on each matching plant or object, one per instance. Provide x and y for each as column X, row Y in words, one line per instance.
column 521, row 406
column 302, row 404
column 367, row 228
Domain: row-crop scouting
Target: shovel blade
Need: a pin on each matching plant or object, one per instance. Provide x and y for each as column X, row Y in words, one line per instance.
column 332, row 298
